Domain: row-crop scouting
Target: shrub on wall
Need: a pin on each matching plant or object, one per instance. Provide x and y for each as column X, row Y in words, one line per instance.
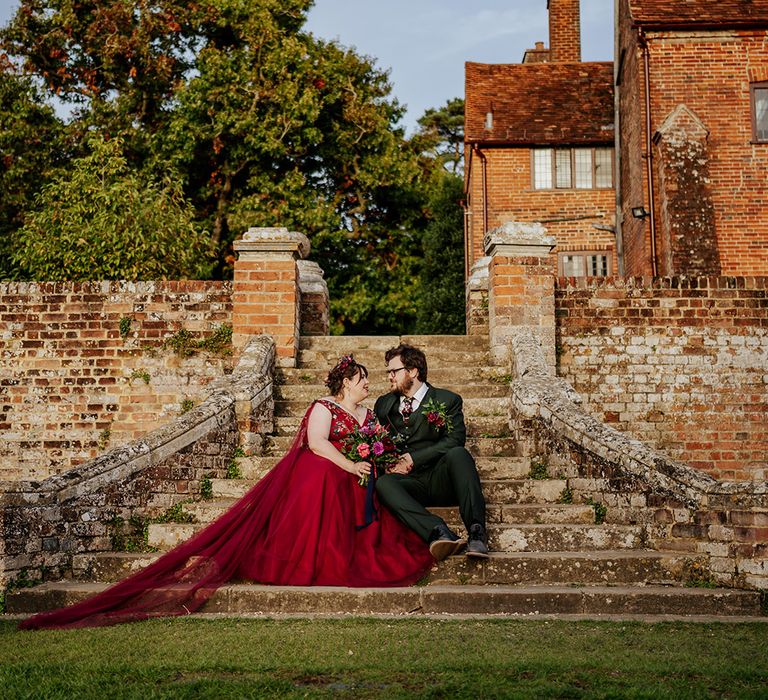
column 102, row 220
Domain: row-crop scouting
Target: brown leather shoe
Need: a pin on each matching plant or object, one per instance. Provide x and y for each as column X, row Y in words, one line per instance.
column 444, row 542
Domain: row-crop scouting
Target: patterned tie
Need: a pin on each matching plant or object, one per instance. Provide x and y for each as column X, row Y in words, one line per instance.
column 407, row 408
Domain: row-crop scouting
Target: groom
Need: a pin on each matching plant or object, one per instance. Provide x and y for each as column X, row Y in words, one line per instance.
column 436, row 469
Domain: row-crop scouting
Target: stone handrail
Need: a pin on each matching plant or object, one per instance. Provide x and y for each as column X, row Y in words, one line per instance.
column 536, row 393
column 46, row 522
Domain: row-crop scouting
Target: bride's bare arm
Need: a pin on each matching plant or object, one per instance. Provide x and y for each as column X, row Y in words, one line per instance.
column 318, row 430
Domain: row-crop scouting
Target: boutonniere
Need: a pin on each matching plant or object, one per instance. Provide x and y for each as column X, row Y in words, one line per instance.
column 437, row 415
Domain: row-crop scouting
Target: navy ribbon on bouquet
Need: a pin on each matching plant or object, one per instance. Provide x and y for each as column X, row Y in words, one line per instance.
column 371, row 513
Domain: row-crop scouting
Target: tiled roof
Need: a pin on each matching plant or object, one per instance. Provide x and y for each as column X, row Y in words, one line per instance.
column 711, row 13
column 539, row 103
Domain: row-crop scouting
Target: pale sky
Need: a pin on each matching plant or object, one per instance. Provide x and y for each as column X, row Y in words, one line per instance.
column 424, row 43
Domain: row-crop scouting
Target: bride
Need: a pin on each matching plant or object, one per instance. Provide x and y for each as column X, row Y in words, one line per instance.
column 299, row 526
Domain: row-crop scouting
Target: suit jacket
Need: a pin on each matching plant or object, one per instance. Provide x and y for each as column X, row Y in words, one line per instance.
column 425, row 443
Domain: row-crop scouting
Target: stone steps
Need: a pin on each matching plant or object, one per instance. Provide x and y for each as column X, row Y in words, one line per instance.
column 477, row 426
column 253, row 468
column 477, row 445
column 489, row 406
column 465, row 376
column 599, row 567
column 495, row 490
column 533, row 514
column 300, row 396
column 525, row 537
column 241, row 599
column 373, row 360
column 382, row 343
column 547, row 558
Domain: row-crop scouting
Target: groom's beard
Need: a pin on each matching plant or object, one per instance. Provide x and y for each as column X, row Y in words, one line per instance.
column 403, row 385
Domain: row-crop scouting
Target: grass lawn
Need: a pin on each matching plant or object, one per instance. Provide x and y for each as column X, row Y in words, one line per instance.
column 378, row 658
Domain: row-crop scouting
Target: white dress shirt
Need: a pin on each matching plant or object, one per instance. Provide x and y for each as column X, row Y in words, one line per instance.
column 418, row 397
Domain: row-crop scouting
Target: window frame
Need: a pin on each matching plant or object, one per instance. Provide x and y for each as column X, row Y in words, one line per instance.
column 585, row 254
column 572, row 152
column 753, row 87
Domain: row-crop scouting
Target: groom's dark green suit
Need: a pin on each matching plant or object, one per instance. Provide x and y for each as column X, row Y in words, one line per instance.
column 444, row 473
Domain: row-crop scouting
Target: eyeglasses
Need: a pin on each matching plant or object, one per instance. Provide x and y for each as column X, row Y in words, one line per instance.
column 393, row 372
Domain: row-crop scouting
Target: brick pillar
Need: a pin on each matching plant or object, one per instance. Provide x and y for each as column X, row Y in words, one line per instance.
column 521, row 287
column 265, row 294
column 564, row 31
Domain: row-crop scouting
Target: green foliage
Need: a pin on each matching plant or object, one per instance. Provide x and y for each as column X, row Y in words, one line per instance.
column 32, row 146
column 101, row 220
column 538, row 469
column 186, row 406
column 259, row 124
column 233, row 468
column 132, row 536
column 696, row 574
column 441, row 300
column 441, row 135
column 206, row 488
column 125, row 326
column 175, row 514
column 185, row 344
column 140, row 373
column 600, row 510
column 566, row 496
column 104, row 438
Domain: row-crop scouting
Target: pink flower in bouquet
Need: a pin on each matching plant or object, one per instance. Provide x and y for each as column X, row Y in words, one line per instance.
column 364, row 450
column 378, row 448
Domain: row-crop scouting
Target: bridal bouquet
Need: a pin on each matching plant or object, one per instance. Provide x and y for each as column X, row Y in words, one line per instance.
column 372, row 443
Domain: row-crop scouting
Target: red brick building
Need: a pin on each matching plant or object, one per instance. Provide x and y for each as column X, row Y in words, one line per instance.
column 539, row 146
column 692, row 85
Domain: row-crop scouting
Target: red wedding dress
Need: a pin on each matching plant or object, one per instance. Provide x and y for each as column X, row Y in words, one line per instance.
column 297, row 527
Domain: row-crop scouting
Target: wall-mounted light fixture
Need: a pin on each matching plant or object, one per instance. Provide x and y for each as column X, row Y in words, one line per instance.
column 640, row 212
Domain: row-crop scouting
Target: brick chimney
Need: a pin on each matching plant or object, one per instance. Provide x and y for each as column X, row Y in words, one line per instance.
column 564, row 31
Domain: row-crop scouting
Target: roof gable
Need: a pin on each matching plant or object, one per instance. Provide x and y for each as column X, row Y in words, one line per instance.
column 545, row 103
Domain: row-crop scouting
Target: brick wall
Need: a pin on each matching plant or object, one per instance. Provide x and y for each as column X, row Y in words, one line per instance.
column 48, row 526
column 710, row 73
column 564, row 31
column 568, row 215
column 73, row 381
column 680, row 364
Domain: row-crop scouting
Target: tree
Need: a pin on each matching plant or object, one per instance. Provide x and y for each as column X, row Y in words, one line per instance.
column 101, row 220
column 32, row 146
column 263, row 124
column 442, row 306
column 441, row 135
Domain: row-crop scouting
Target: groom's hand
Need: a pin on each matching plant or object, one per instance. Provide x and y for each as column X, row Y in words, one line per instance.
column 404, row 465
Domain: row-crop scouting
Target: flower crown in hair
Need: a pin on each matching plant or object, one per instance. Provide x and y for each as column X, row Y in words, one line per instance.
column 340, row 367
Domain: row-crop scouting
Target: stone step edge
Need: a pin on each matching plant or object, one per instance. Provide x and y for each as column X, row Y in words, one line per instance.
column 418, row 599
column 588, row 555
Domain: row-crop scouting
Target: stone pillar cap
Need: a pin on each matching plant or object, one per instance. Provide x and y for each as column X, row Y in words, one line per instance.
column 519, row 238
column 273, row 240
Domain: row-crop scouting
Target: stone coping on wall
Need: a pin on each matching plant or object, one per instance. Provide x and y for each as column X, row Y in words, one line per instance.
column 679, row 282
column 537, row 394
column 250, row 381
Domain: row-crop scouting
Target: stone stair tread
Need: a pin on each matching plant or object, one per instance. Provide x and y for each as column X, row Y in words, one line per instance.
column 112, row 566
column 462, row 599
column 387, row 341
